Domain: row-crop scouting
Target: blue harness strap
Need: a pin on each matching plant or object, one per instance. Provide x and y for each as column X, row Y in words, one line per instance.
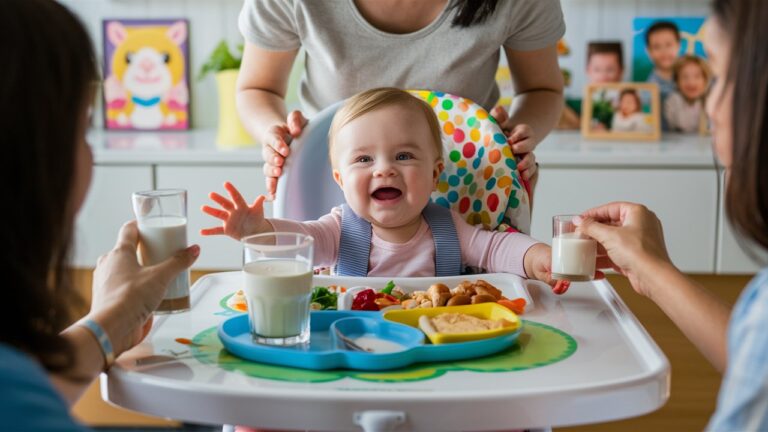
column 447, row 248
column 355, row 243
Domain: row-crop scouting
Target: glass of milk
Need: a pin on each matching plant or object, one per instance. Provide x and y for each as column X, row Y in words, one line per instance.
column 573, row 254
column 277, row 281
column 162, row 218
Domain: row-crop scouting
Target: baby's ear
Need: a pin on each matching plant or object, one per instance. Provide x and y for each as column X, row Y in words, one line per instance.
column 337, row 178
column 439, row 167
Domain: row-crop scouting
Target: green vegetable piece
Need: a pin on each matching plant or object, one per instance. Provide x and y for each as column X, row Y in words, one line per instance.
column 388, row 289
column 325, row 298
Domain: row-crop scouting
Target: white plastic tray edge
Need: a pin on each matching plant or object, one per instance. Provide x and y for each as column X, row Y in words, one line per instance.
column 563, row 406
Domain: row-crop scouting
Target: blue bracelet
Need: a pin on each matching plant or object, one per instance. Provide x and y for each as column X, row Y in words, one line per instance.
column 103, row 340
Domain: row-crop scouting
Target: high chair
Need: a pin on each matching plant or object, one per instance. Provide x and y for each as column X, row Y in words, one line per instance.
column 480, row 179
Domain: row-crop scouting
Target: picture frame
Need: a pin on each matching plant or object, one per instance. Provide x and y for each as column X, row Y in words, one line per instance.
column 146, row 70
column 621, row 111
column 691, row 30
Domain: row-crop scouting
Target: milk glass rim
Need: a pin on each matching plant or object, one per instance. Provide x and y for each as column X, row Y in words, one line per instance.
column 562, row 217
column 156, row 193
column 306, row 240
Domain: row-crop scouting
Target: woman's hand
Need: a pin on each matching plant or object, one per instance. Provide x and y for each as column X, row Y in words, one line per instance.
column 520, row 139
column 632, row 238
column 275, row 147
column 125, row 294
column 239, row 218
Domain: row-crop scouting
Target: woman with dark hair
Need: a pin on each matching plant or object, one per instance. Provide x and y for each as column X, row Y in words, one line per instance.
column 634, row 244
column 350, row 46
column 47, row 86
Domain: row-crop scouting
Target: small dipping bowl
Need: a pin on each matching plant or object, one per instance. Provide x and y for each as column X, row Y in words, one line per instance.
column 383, row 336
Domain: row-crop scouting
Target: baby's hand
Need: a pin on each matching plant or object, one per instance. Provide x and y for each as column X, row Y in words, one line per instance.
column 240, row 219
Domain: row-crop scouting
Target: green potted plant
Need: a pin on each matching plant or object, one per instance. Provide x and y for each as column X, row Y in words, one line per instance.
column 226, row 65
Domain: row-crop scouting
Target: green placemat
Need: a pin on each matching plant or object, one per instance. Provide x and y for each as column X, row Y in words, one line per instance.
column 538, row 345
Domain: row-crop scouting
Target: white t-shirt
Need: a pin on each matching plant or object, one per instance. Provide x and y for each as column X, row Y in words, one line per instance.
column 346, row 55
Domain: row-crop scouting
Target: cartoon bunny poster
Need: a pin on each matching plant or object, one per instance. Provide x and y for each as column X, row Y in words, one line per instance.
column 146, row 85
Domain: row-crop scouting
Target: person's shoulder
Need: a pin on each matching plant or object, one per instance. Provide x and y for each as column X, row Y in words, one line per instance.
column 17, row 365
column 29, row 401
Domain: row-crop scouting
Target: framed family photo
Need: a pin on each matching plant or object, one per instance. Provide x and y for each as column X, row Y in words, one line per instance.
column 624, row 111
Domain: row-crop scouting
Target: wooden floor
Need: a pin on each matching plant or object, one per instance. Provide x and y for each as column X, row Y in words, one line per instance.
column 694, row 381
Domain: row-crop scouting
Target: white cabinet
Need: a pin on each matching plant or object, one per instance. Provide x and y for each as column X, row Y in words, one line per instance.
column 731, row 258
column 217, row 252
column 106, row 208
column 684, row 199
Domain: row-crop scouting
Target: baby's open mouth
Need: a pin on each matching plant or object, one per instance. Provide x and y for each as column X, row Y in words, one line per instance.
column 386, row 193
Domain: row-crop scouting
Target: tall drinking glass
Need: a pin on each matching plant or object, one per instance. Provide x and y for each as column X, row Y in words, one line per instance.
column 162, row 219
column 277, row 273
column 574, row 255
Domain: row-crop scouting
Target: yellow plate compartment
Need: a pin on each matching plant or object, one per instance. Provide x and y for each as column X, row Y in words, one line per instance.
column 489, row 311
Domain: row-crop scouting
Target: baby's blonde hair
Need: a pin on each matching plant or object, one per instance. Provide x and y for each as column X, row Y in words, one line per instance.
column 371, row 100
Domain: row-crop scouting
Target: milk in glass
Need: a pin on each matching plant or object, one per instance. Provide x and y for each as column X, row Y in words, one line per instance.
column 573, row 257
column 278, row 293
column 161, row 237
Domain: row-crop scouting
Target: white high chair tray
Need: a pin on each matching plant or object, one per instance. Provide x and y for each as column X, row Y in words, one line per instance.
column 613, row 370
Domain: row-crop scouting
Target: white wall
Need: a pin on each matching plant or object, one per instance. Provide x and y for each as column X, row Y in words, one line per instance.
column 213, row 20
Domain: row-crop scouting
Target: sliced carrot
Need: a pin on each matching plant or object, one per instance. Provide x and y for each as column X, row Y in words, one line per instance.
column 516, row 305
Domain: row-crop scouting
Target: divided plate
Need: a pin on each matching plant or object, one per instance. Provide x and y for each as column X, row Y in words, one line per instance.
column 324, row 351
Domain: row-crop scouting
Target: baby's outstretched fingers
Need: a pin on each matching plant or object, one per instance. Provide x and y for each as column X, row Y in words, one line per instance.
column 220, row 200
column 259, row 201
column 217, row 213
column 237, row 197
column 212, row 231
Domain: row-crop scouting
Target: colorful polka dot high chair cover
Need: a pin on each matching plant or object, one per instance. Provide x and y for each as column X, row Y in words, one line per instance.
column 480, row 180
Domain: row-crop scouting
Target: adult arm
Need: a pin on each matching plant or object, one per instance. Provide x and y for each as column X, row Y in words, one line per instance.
column 632, row 238
column 538, row 101
column 261, row 88
column 124, row 297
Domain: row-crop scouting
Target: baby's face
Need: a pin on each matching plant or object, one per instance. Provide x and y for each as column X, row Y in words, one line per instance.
column 603, row 68
column 628, row 104
column 663, row 48
column 692, row 81
column 387, row 165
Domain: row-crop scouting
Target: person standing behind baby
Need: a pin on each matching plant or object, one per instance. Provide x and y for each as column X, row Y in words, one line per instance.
column 605, row 64
column 386, row 153
column 451, row 46
column 662, row 40
column 684, row 108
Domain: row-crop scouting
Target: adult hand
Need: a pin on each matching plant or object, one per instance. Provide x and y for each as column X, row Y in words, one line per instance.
column 125, row 294
column 632, row 238
column 239, row 219
column 520, row 139
column 275, row 147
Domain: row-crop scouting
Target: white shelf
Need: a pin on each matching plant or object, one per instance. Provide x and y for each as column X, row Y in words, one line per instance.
column 181, row 148
column 563, row 149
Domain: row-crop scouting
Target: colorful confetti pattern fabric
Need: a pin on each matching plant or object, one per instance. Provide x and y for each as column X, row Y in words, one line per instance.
column 480, row 180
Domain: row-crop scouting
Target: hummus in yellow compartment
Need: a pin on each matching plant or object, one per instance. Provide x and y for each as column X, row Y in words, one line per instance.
column 464, row 323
